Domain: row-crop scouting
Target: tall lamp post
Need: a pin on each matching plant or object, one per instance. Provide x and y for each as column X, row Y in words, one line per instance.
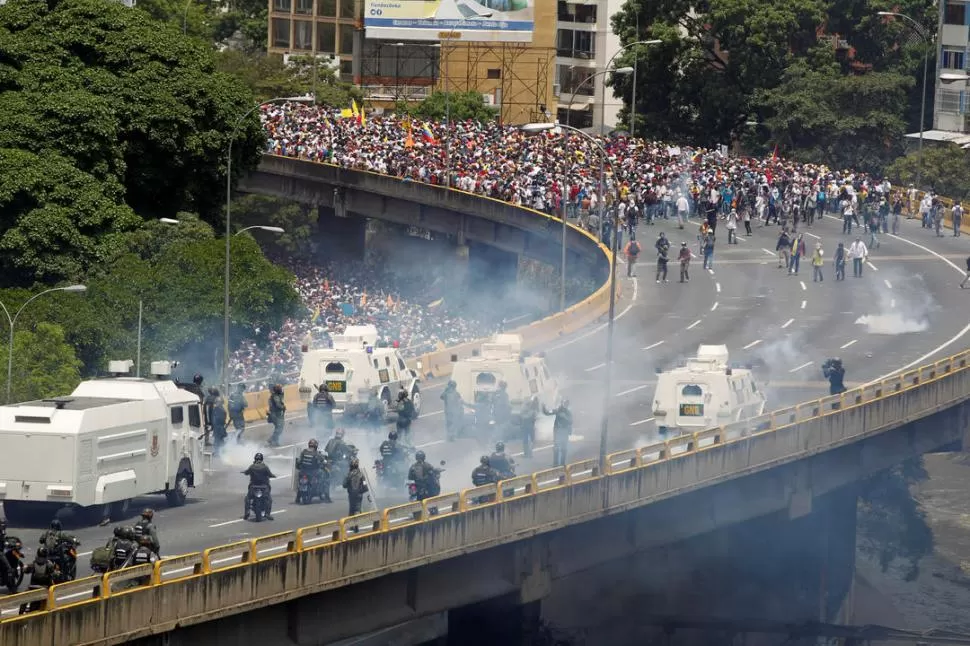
column 445, row 77
column 609, row 64
column 604, row 428
column 12, row 321
column 921, row 32
column 232, row 137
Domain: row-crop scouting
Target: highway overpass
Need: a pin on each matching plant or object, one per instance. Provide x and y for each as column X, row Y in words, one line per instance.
column 521, row 547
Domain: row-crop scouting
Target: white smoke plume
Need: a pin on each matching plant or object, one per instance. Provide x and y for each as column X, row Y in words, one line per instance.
column 904, row 309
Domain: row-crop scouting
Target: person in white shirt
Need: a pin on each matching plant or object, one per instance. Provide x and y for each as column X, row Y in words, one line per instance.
column 682, row 208
column 858, row 252
column 732, row 227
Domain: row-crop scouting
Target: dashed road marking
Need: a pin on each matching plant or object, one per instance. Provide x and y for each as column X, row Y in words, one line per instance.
column 752, row 344
column 717, row 287
column 804, row 303
column 892, row 303
column 770, row 253
column 652, row 345
column 714, row 306
column 642, row 421
column 872, row 266
column 596, row 367
column 889, row 285
column 804, row 365
column 804, row 286
column 849, row 344
column 812, row 235
column 787, row 323
column 632, row 390
column 432, row 443
column 240, row 520
column 694, row 324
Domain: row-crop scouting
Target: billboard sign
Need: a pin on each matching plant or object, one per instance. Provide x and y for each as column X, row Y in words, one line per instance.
column 497, row 21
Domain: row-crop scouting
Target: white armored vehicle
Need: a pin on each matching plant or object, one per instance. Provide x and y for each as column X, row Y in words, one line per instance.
column 502, row 359
column 705, row 393
column 111, row 440
column 354, row 368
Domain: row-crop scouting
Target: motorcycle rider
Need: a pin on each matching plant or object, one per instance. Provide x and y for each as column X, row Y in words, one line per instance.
column 501, row 409
column 405, row 415
column 4, row 566
column 503, row 465
column 392, row 454
column 217, row 420
column 43, row 571
column 259, row 476
column 320, row 410
column 54, row 536
column 336, row 448
column 146, row 529
column 527, row 420
column 424, row 476
column 454, row 410
column 562, row 428
column 356, row 486
column 313, row 463
column 276, row 415
column 237, row 410
column 484, row 474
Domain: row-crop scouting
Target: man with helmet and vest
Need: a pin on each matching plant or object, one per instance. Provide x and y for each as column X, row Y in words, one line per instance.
column 216, row 414
column 314, row 464
column 276, row 414
column 484, row 474
column 393, row 456
column 259, row 476
column 320, row 410
column 337, row 450
column 145, row 528
column 237, row 411
column 43, row 574
column 424, row 476
column 356, row 485
column 454, row 411
column 405, row 415
column 54, row 536
column 503, row 465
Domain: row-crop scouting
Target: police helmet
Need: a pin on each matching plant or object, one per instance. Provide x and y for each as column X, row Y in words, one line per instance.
column 278, row 389
column 683, row 244
column 392, row 436
column 147, row 513
column 56, row 525
column 197, row 379
column 323, row 388
column 258, row 457
column 241, row 387
column 565, row 403
column 339, row 433
column 502, row 385
column 355, row 463
column 401, row 396
column 452, row 384
column 484, row 460
column 213, row 390
column 419, row 456
column 499, row 447
column 119, row 531
column 42, row 552
column 313, row 444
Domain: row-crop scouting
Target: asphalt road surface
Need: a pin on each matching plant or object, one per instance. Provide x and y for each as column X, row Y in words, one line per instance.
column 904, row 311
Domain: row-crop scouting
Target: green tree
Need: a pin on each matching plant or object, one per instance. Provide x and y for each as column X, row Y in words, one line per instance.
column 267, row 76
column 462, row 106
column 44, row 363
column 299, row 222
column 946, row 169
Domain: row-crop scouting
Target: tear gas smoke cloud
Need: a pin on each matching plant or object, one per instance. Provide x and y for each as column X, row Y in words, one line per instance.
column 902, row 310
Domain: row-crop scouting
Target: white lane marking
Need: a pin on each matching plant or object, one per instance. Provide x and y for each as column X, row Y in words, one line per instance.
column 596, row 367
column 84, row 554
column 787, row 323
column 849, row 344
column 804, row 286
column 652, row 345
column 892, row 304
column 804, row 303
column 872, row 266
column 642, row 421
column 632, row 390
column 601, row 326
column 812, row 235
column 538, row 448
column 694, row 324
column 714, row 306
column 889, row 285
column 228, row 522
column 752, row 344
column 804, row 365
column 433, row 413
column 432, row 443
column 717, row 287
column 710, row 271
column 770, row 253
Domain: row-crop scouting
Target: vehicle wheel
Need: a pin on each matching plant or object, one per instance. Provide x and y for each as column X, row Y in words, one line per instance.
column 119, row 510
column 416, row 400
column 178, row 494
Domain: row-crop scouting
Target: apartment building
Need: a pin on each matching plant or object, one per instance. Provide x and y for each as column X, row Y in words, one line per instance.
column 950, row 106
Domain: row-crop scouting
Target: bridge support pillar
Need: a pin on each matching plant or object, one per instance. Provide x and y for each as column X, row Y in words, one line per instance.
column 342, row 233
column 503, row 620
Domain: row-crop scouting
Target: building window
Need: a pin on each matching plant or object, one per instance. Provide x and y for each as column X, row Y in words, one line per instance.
column 953, row 58
column 281, row 33
column 956, row 13
column 282, row 5
column 327, row 8
column 327, row 37
column 304, row 7
column 493, row 73
column 950, row 101
column 346, row 69
column 346, row 39
column 347, row 9
column 575, row 44
column 302, row 34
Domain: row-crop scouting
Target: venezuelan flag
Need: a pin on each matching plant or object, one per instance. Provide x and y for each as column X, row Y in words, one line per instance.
column 427, row 134
column 697, row 158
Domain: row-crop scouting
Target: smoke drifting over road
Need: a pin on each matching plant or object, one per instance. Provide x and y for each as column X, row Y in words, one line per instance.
column 904, row 309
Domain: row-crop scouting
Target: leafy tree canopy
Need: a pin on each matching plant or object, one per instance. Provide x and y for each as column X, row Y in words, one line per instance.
column 946, row 170
column 44, row 364
column 298, row 221
column 267, row 76
column 461, row 105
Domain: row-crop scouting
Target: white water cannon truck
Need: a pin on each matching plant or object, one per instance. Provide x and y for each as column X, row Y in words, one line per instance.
column 111, row 440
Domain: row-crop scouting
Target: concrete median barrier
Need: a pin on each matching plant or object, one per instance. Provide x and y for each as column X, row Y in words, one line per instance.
column 443, row 505
column 622, row 461
column 74, row 592
column 274, row 545
column 403, row 515
column 127, row 579
column 516, row 487
column 319, row 535
column 228, row 556
column 479, row 496
column 354, row 527
column 174, row 568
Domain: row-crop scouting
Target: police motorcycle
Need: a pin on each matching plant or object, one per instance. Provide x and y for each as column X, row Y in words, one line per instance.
column 392, row 474
column 13, row 566
column 434, row 488
column 340, row 465
column 64, row 556
column 259, row 501
column 309, row 487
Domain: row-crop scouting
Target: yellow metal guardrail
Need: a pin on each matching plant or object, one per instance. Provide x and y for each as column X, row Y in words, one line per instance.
column 248, row 553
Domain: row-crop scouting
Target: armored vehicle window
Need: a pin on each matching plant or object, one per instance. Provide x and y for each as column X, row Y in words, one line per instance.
column 334, row 367
column 178, row 415
column 692, row 391
column 400, row 364
column 387, row 361
column 485, row 379
column 376, row 366
column 383, row 375
column 195, row 419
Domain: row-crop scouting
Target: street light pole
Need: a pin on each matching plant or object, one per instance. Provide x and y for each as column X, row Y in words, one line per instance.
column 12, row 321
column 633, row 98
column 918, row 28
column 609, row 64
column 225, row 304
column 562, row 266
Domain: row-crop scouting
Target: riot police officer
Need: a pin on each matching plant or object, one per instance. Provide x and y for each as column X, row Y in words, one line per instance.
column 217, row 420
column 501, row 409
column 356, row 485
column 54, row 536
column 405, row 415
column 259, row 476
column 208, row 403
column 527, row 421
column 336, row 448
column 484, row 474
column 562, row 428
column 321, row 409
column 424, row 476
column 503, row 465
column 454, row 410
column 146, row 528
column 237, row 410
column 392, row 455
column 313, row 463
column 277, row 413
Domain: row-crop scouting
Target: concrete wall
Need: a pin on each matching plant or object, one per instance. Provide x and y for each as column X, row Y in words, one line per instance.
column 404, row 560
